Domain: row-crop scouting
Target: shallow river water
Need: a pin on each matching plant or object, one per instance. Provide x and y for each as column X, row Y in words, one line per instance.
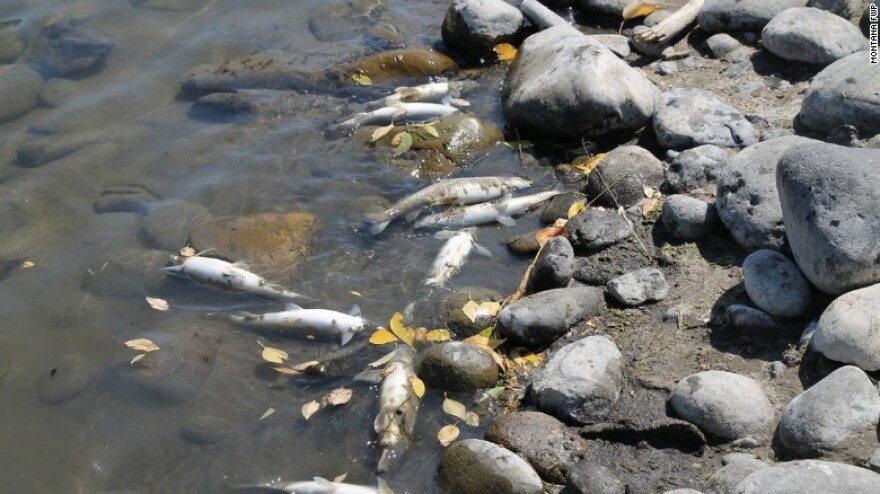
column 73, row 417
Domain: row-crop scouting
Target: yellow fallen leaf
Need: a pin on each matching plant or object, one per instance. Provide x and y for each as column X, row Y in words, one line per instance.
column 382, row 361
column 362, row 79
column 157, row 303
column 588, row 164
column 27, row 264
column 418, row 386
column 274, row 355
column 447, row 434
column 472, row 419
column 438, row 335
column 306, row 365
column 187, row 251
column 576, row 209
column 525, row 357
column 505, row 51
column 339, row 396
column 310, row 408
column 487, row 333
column 287, row 371
column 470, row 310
column 137, row 358
column 382, row 337
column 142, row 345
column 455, row 408
column 381, row 131
column 638, row 8
column 268, row 412
column 430, row 129
column 340, row 478
column 489, row 308
column 355, row 293
column 405, row 334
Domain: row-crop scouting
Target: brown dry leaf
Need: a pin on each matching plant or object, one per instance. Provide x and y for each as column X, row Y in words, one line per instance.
column 470, row 310
column 157, row 303
column 638, row 8
column 142, row 345
column 382, row 337
column 587, row 165
column 382, row 361
column 418, row 386
column 306, row 365
column 381, row 131
column 505, row 51
column 27, row 264
column 287, row 371
column 406, row 335
column 268, row 412
column 339, row 396
column 137, row 358
column 310, row 408
column 472, row 419
column 438, row 335
column 544, row 235
column 455, row 408
column 447, row 434
column 484, row 344
column 274, row 355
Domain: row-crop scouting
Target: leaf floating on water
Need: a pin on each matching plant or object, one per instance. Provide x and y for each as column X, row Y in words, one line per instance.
column 447, row 434
column 137, row 358
column 576, row 209
column 27, row 264
column 470, row 310
column 638, row 8
column 268, row 412
column 403, row 144
column 339, row 396
column 438, row 335
column 158, row 303
column 274, row 355
column 287, row 371
column 472, row 419
column 382, row 337
column 430, row 129
column 381, row 131
column 310, row 408
column 306, row 365
column 492, row 393
column 405, row 334
column 362, row 79
column 505, row 51
column 455, row 408
column 418, row 386
column 142, row 345
column 382, row 361
column 588, row 164
column 340, row 478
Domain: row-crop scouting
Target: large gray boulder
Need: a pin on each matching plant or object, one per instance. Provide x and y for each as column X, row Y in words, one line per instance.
column 457, row 366
column 747, row 200
column 811, row 35
column 581, row 381
column 726, row 478
column 564, row 84
column 798, row 477
column 545, row 316
column 19, row 87
column 619, row 179
column 847, row 330
column 847, row 92
column 594, row 229
column 741, row 15
column 843, row 403
column 553, row 267
column 775, row 284
column 829, row 196
column 728, row 405
column 848, row 9
column 474, row 27
column 474, row 466
column 685, row 118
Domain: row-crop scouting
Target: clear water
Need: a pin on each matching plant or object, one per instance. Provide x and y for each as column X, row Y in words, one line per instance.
column 116, row 435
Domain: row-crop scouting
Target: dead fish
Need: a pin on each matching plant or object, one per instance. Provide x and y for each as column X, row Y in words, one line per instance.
column 453, row 255
column 501, row 211
column 312, row 322
column 433, row 91
column 227, row 275
column 317, row 486
column 469, row 190
column 398, row 407
column 397, row 113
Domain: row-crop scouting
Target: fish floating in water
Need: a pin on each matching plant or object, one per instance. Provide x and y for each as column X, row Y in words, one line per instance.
column 316, row 486
column 227, row 275
column 310, row 322
column 398, row 407
column 397, row 113
column 469, row 190
column 502, row 212
column 433, row 91
column 453, row 255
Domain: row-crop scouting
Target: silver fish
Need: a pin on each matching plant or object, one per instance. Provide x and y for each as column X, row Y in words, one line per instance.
column 312, row 322
column 432, row 91
column 317, row 486
column 227, row 275
column 398, row 407
column 398, row 113
column 501, row 211
column 469, row 190
column 453, row 255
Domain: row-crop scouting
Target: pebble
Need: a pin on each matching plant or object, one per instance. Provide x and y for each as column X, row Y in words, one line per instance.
column 126, row 273
column 667, row 67
column 19, row 87
column 688, row 218
column 797, row 477
column 847, row 92
column 545, row 316
column 777, row 369
column 594, row 229
column 473, row 27
column 847, row 330
column 474, row 466
column 685, row 118
column 696, row 168
column 843, row 403
column 39, row 150
column 639, row 287
column 581, row 381
column 812, row 36
column 748, row 201
column 554, row 266
column 721, row 44
column 741, row 15
column 167, row 224
column 829, row 196
column 67, row 379
column 743, row 316
column 457, row 321
column 588, row 477
column 620, row 177
column 565, row 84
column 775, row 284
column 723, row 403
column 67, row 50
column 558, row 206
column 457, row 366
column 13, row 39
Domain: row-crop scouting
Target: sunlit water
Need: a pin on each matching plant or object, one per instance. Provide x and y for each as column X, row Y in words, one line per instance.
column 116, row 434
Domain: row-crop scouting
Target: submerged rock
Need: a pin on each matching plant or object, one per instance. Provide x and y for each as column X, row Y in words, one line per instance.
column 620, row 177
column 131, row 198
column 67, row 379
column 39, row 150
column 474, row 27
column 458, row 322
column 126, row 273
column 67, row 50
column 811, row 35
column 457, row 366
column 13, row 39
column 798, row 477
column 19, row 87
column 461, row 137
column 545, row 316
column 685, row 118
column 175, row 5
column 168, row 223
column 473, row 466
column 847, row 330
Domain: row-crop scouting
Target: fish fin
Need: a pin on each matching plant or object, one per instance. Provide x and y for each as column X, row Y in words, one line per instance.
column 292, row 306
column 244, row 264
column 370, row 376
column 199, row 253
column 174, row 269
column 412, row 215
column 377, row 228
column 506, row 197
column 505, row 220
column 347, row 335
column 321, row 481
column 377, row 222
column 284, row 292
column 355, row 310
column 384, row 461
column 479, row 249
column 383, row 487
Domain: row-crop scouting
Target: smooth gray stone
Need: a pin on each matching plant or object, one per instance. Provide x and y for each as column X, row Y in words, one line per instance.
column 554, row 266
column 689, row 218
column 457, row 366
column 728, row 405
column 726, row 478
column 743, row 316
column 748, row 201
column 799, row 477
column 685, row 118
column 588, row 477
column 600, row 267
column 564, row 84
column 696, row 168
column 848, row 9
column 19, row 87
column 617, row 43
column 741, row 15
column 829, row 196
column 168, row 223
column 620, row 177
column 775, row 284
column 474, row 466
column 14, row 35
column 558, row 206
column 455, row 318
column 721, row 44
column 843, row 403
column 581, row 381
column 638, row 287
column 474, row 27
column 67, row 50
column 812, row 36
column 847, row 330
column 874, row 461
column 777, row 369
column 545, row 316
column 667, row 67
column 593, row 229
column 847, row 92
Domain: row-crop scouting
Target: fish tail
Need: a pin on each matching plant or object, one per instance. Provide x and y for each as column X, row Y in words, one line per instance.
column 244, row 316
column 377, row 222
column 384, row 461
column 284, row 292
